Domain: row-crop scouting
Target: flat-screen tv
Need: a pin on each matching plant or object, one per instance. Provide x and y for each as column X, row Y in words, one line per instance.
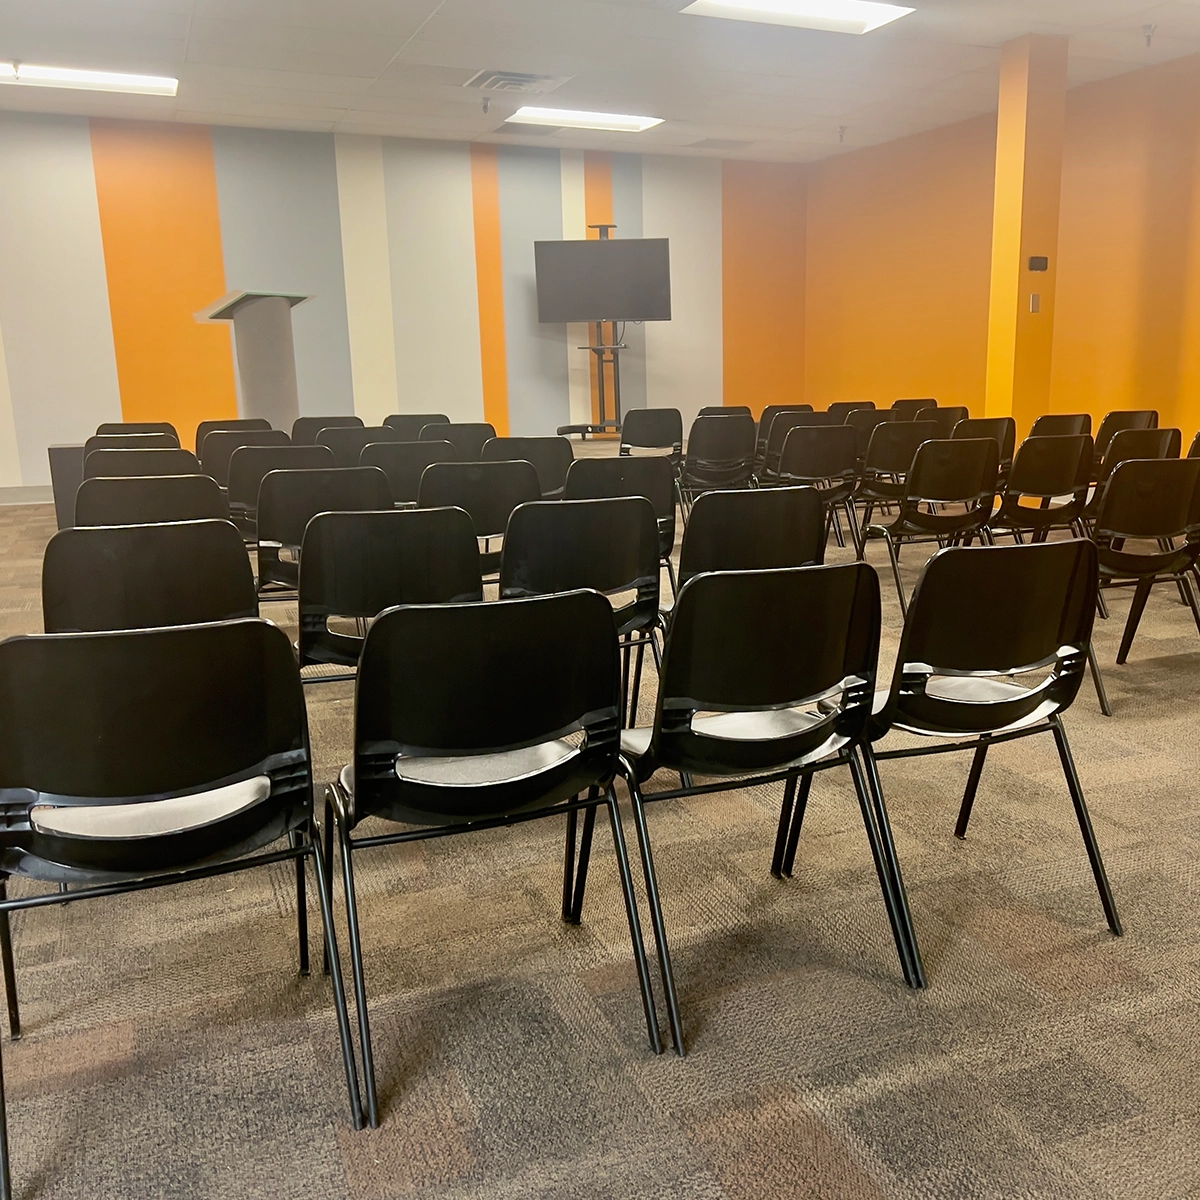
column 620, row 279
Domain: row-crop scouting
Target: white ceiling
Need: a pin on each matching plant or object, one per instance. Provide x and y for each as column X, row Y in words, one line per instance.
column 398, row 66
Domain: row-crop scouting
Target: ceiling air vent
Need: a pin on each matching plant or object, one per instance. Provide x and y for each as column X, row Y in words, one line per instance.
column 718, row 144
column 516, row 81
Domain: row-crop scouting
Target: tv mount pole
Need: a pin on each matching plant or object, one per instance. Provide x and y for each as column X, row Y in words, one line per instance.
column 607, row 354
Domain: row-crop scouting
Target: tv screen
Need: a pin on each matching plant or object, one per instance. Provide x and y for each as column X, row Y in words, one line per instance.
column 621, row 279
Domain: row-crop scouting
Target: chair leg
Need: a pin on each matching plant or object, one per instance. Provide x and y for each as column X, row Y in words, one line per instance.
column 327, row 834
column 855, row 532
column 1101, row 604
column 656, row 914
column 1188, row 590
column 895, row 558
column 888, row 866
column 835, row 521
column 789, row 854
column 301, row 907
column 1098, row 680
column 637, row 684
column 1085, row 826
column 968, row 800
column 635, row 925
column 1140, row 595
column 785, row 823
column 325, row 890
column 671, row 577
column 360, row 987
column 576, row 869
column 625, row 654
column 10, row 973
column 569, row 863
column 5, row 1174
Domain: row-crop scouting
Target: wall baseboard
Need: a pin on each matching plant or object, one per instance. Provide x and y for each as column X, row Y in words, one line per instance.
column 27, row 495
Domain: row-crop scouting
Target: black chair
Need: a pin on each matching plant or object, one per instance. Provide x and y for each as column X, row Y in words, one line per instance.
column 768, row 414
column 142, row 576
column 1194, row 450
column 609, row 546
column 221, row 444
column 356, row 564
column 467, row 438
column 839, row 409
column 722, row 410
column 768, row 677
column 551, row 457
column 892, row 447
column 289, row 499
column 1127, row 444
column 720, row 454
column 305, row 429
column 994, row 649
column 1056, row 424
column 130, row 441
column 1155, row 500
column 409, row 425
column 138, row 427
column 348, row 441
column 864, row 422
column 944, row 472
column 476, row 716
column 110, row 463
column 946, row 418
column 250, row 465
column 650, row 476
column 1114, row 422
column 487, row 491
column 753, row 531
column 130, row 761
column 1046, row 468
column 653, row 429
column 146, row 499
column 767, row 467
column 824, row 458
column 907, row 410
column 404, row 463
column 207, row 427
column 1003, row 430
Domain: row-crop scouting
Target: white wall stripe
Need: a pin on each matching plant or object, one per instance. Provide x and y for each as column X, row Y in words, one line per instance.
column 10, row 459
column 362, row 205
column 574, row 220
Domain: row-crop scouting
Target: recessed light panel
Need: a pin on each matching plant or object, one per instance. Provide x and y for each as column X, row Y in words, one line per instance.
column 567, row 118
column 91, row 81
column 833, row 16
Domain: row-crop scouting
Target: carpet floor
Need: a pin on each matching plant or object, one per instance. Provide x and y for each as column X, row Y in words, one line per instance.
column 172, row 1050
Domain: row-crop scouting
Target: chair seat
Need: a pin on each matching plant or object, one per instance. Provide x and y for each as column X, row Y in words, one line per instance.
column 476, row 770
column 732, row 726
column 981, row 690
column 149, row 818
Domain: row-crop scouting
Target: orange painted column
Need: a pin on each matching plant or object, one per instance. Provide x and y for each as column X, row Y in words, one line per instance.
column 763, row 223
column 598, row 210
column 485, row 196
column 1029, row 152
column 161, row 228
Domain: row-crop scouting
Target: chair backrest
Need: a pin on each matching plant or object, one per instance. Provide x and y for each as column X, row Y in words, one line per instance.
column 404, row 463
column 1002, row 429
column 839, row 409
column 463, row 680
column 1128, row 444
column 652, row 429
column 551, row 457
column 148, row 499
column 488, row 491
column 721, row 410
column 409, row 425
column 785, row 422
column 763, row 669
column 138, row 427
column 893, row 445
column 1054, row 424
column 305, row 429
column 221, row 444
column 1194, row 452
column 467, row 438
column 753, row 530
column 946, row 418
column 945, row 471
column 819, row 453
column 1114, row 422
column 251, row 464
column 356, row 564
column 652, row 477
column 1150, row 498
column 140, row 462
column 129, row 441
column 1051, row 465
column 348, row 441
column 608, row 545
column 769, row 413
column 207, row 427
column 289, row 499
column 143, row 576
column 994, row 611
column 721, row 437
column 864, row 421
column 143, row 716
column 907, row 410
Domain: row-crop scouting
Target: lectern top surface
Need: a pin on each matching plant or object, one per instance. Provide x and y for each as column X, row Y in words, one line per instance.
column 223, row 309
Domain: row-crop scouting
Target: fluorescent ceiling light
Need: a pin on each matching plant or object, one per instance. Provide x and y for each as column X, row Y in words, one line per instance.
column 834, row 16
column 91, row 81
column 568, row 118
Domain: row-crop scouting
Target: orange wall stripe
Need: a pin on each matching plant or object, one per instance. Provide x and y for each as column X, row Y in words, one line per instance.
column 485, row 196
column 161, row 228
column 598, row 210
column 763, row 283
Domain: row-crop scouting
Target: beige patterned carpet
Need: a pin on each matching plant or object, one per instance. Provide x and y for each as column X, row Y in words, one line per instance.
column 171, row 1050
